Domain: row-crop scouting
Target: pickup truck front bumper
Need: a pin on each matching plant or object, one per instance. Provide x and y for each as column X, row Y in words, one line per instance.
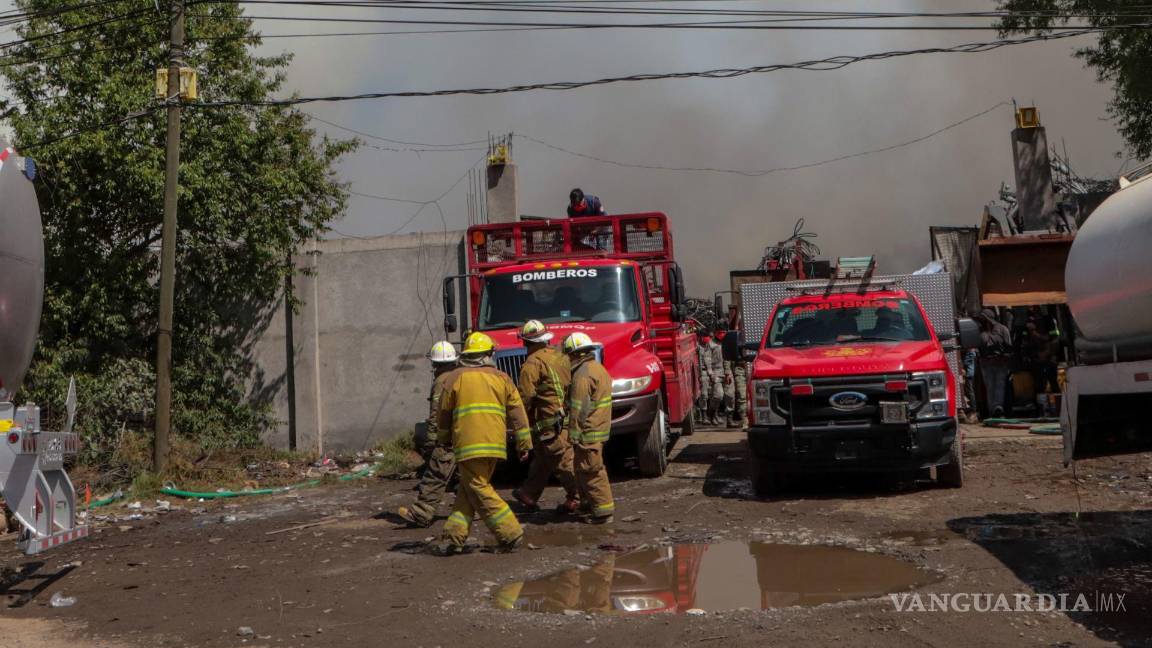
column 862, row 447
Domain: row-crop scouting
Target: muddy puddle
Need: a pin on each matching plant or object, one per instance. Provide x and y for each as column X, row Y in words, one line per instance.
column 714, row 577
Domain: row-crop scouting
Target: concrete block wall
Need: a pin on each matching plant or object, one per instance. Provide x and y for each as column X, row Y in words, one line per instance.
column 370, row 309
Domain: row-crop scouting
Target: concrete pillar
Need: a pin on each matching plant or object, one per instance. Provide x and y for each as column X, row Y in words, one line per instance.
column 1035, row 197
column 502, row 200
column 307, row 330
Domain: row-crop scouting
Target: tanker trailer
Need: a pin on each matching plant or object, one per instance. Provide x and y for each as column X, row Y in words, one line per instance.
column 1107, row 405
column 33, row 483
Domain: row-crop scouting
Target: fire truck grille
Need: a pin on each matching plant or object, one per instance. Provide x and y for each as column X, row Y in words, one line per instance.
column 511, row 361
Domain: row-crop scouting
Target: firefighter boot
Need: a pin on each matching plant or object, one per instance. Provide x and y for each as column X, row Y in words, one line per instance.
column 713, row 408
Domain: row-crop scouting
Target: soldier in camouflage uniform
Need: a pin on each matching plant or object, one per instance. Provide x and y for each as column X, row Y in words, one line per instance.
column 735, row 392
column 711, row 378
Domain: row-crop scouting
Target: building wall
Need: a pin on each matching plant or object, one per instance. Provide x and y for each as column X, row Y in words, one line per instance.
column 369, row 310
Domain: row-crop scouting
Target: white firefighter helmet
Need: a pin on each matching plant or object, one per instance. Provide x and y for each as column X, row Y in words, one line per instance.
column 442, row 353
column 578, row 342
column 535, row 331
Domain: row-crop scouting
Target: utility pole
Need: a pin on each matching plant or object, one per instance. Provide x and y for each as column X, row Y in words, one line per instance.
column 168, row 244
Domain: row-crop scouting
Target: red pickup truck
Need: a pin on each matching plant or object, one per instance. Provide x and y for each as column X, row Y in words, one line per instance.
column 853, row 381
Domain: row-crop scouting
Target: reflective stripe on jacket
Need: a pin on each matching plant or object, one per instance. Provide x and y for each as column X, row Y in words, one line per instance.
column 479, row 405
column 590, row 402
column 544, row 381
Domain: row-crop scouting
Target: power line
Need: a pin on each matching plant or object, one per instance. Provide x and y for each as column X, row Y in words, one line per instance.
column 738, row 25
column 390, row 141
column 556, row 7
column 820, row 65
column 756, row 173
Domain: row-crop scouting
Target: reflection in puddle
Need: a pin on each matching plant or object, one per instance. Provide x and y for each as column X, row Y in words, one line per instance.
column 723, row 576
column 575, row 537
column 921, row 538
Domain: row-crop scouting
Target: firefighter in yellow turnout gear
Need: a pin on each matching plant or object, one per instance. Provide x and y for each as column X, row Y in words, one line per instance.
column 439, row 462
column 544, row 381
column 590, row 412
column 478, row 406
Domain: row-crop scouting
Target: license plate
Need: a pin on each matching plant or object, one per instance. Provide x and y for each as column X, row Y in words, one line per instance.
column 893, row 412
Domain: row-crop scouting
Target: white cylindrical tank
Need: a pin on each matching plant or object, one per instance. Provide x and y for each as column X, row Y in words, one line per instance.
column 1108, row 276
column 21, row 270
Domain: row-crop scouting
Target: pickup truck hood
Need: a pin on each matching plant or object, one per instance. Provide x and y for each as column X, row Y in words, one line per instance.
column 848, row 359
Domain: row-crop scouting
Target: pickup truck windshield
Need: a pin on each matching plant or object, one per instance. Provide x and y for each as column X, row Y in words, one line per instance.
column 553, row 295
column 847, row 322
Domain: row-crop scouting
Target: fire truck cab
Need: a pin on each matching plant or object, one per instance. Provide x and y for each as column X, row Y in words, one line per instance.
column 614, row 278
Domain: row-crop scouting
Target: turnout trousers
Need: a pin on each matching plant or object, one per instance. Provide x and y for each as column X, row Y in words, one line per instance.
column 551, row 455
column 439, row 466
column 476, row 496
column 592, row 479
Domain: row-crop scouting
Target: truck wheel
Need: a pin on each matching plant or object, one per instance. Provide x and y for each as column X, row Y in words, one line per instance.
column 951, row 474
column 766, row 483
column 652, row 446
column 688, row 425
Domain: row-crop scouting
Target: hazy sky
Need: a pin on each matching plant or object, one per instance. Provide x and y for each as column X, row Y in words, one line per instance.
column 881, row 204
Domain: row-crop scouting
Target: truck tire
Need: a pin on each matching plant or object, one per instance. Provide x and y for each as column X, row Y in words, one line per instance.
column 652, row 446
column 688, row 425
column 951, row 474
column 766, row 483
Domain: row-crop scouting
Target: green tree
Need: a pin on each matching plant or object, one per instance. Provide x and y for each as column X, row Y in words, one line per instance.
column 1120, row 56
column 255, row 182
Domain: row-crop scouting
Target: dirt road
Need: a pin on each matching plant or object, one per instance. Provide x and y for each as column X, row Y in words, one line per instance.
column 197, row 575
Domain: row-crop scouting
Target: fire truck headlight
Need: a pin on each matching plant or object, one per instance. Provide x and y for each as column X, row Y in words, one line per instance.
column 629, row 386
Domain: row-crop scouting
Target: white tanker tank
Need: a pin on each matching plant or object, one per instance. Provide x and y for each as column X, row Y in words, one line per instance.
column 1107, row 403
column 33, row 483
column 21, row 269
column 1108, row 276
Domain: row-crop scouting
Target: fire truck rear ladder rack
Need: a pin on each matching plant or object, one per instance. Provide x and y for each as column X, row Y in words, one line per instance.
column 32, row 477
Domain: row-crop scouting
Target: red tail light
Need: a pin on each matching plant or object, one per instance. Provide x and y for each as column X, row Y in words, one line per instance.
column 13, row 437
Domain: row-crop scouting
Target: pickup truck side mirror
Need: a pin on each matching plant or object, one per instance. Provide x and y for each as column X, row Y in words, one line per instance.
column 718, row 307
column 945, row 336
column 969, row 333
column 450, row 323
column 749, row 350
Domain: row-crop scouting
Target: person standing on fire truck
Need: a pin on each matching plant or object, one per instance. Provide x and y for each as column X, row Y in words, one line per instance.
column 480, row 403
column 590, row 409
column 544, row 382
column 582, row 205
column 439, row 462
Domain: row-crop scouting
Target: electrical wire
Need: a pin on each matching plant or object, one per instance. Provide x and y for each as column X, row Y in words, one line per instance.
column 737, row 25
column 820, row 65
column 391, row 141
column 755, row 173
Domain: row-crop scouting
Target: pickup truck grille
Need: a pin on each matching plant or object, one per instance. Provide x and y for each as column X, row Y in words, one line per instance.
column 817, row 409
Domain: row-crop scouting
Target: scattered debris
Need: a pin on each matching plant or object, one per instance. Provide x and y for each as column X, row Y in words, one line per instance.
column 245, row 632
column 58, row 600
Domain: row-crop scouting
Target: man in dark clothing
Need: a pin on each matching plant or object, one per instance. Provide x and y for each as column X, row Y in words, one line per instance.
column 581, row 205
column 995, row 359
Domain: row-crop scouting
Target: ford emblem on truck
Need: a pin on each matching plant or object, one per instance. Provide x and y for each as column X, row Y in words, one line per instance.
column 847, row 401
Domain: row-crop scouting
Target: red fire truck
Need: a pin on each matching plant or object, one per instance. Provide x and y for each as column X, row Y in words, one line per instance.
column 614, row 278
